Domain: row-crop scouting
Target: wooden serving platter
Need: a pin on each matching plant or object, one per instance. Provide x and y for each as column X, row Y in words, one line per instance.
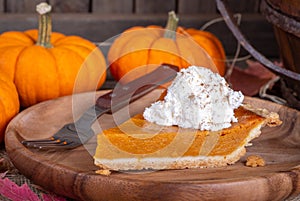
column 71, row 173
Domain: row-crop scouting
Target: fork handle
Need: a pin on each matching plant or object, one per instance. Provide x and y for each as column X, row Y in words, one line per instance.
column 84, row 123
column 122, row 95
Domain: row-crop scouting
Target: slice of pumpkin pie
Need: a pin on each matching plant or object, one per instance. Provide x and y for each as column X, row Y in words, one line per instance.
column 201, row 122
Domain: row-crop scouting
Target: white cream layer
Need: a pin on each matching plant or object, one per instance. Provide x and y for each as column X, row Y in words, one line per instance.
column 197, row 98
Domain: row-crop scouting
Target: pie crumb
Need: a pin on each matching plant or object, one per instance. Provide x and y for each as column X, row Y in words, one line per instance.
column 255, row 161
column 103, row 172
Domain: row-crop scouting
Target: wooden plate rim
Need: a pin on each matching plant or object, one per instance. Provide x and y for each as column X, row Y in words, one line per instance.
column 76, row 187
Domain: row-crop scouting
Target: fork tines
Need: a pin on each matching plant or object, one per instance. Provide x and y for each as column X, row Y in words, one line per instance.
column 50, row 143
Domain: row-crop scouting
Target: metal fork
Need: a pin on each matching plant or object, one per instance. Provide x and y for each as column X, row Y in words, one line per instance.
column 79, row 132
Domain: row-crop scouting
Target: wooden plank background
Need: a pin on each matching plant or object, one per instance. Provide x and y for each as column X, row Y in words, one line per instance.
column 129, row 6
column 100, row 20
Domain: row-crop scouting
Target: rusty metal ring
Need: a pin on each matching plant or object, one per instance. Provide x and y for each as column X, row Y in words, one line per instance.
column 257, row 55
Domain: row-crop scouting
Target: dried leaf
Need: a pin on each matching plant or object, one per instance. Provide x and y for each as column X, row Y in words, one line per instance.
column 250, row 79
column 52, row 197
column 14, row 192
column 17, row 193
column 258, row 70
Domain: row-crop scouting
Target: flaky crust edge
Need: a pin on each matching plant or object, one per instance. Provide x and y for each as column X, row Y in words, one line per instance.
column 272, row 118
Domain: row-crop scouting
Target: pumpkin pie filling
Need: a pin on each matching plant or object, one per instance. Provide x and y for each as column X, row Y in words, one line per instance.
column 137, row 143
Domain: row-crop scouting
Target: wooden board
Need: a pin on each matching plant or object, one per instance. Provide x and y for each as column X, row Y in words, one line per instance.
column 145, row 6
column 23, row 6
column 125, row 6
column 196, row 6
column 70, row 6
column 72, row 173
column 112, row 6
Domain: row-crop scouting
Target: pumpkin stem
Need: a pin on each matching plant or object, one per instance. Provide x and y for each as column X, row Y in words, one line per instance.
column 45, row 25
column 170, row 30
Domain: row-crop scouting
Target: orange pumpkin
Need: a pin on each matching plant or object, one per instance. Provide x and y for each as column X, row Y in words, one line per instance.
column 211, row 44
column 46, row 65
column 140, row 49
column 9, row 102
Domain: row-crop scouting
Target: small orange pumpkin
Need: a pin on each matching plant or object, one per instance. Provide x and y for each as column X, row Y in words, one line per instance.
column 46, row 65
column 140, row 49
column 9, row 102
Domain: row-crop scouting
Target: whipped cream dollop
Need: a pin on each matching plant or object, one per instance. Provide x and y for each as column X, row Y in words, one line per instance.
column 197, row 98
